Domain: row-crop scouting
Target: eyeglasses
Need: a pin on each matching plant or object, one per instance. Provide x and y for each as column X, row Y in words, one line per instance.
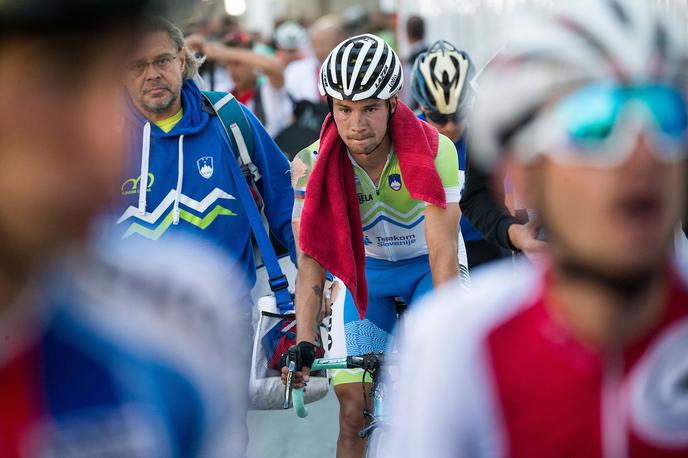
column 162, row 63
column 442, row 119
column 596, row 124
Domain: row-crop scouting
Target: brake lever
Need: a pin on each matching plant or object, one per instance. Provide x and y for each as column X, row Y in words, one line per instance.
column 291, row 369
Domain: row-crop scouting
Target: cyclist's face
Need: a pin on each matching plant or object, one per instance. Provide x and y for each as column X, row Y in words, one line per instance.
column 620, row 220
column 156, row 91
column 362, row 125
column 60, row 140
column 451, row 129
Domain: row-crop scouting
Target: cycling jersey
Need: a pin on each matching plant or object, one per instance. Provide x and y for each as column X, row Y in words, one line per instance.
column 123, row 352
column 511, row 380
column 393, row 222
column 397, row 262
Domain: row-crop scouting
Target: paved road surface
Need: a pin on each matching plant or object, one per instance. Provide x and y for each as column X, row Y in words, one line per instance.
column 280, row 434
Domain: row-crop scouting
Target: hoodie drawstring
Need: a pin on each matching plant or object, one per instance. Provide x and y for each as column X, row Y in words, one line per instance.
column 180, row 177
column 145, row 154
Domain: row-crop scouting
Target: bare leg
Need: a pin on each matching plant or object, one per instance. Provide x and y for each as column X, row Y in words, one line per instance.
column 351, row 419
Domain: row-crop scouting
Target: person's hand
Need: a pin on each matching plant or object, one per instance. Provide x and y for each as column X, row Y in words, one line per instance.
column 300, row 378
column 305, row 355
column 195, row 42
column 523, row 237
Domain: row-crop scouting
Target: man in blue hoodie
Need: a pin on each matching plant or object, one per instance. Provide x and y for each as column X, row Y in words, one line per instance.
column 179, row 177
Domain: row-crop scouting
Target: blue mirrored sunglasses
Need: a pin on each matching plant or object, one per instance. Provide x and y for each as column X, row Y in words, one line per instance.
column 593, row 116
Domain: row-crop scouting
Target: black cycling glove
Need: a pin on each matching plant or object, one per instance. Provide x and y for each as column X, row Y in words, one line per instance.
column 305, row 352
column 305, row 355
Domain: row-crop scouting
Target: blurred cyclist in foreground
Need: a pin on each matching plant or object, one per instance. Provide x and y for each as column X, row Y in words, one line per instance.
column 91, row 362
column 585, row 356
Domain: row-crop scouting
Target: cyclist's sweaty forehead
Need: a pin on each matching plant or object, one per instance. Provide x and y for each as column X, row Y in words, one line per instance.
column 359, row 104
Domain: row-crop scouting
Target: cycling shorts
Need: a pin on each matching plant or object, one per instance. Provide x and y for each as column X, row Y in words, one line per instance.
column 408, row 279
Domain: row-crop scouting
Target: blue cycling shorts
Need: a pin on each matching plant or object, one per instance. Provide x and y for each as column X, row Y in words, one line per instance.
column 409, row 279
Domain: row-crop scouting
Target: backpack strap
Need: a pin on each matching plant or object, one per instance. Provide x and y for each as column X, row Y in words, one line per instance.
column 237, row 127
column 278, row 281
column 240, row 138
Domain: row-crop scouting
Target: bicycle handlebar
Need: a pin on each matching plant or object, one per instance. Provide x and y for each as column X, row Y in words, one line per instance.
column 299, row 404
column 369, row 362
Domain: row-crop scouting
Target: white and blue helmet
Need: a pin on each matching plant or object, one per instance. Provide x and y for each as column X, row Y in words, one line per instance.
column 361, row 67
column 552, row 51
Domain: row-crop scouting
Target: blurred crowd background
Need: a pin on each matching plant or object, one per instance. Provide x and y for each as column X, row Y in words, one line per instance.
column 288, row 39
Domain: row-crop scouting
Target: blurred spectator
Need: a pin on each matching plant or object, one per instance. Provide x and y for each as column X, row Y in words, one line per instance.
column 301, row 76
column 290, row 40
column 356, row 20
column 382, row 25
column 91, row 363
column 415, row 36
column 308, row 119
column 258, row 80
column 215, row 76
column 301, row 80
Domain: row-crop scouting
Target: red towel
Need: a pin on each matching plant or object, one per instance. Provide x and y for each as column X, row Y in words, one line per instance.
column 331, row 231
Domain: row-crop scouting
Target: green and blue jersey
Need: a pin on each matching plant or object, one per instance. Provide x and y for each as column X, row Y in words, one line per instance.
column 393, row 222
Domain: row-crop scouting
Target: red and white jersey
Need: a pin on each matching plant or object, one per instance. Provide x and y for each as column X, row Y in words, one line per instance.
column 493, row 374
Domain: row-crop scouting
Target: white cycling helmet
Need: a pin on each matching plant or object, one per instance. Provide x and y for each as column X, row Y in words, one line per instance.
column 291, row 35
column 359, row 68
column 554, row 50
column 440, row 79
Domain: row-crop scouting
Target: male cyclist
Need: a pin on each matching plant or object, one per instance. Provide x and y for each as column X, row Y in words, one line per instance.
column 440, row 83
column 377, row 201
column 585, row 355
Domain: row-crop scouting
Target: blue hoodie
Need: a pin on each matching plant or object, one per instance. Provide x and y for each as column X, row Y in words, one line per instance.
column 189, row 187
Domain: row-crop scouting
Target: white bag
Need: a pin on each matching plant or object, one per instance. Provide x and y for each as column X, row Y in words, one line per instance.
column 266, row 390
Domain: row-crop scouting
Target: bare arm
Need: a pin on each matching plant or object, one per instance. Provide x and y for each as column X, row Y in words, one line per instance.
column 310, row 281
column 270, row 66
column 442, row 234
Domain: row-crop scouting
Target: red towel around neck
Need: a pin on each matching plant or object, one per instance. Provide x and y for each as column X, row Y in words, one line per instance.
column 331, row 230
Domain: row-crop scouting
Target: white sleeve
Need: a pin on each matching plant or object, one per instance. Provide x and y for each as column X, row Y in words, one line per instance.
column 297, row 209
column 440, row 401
column 453, row 194
column 277, row 107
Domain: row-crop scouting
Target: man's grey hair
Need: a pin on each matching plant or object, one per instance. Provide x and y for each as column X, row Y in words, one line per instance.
column 160, row 24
